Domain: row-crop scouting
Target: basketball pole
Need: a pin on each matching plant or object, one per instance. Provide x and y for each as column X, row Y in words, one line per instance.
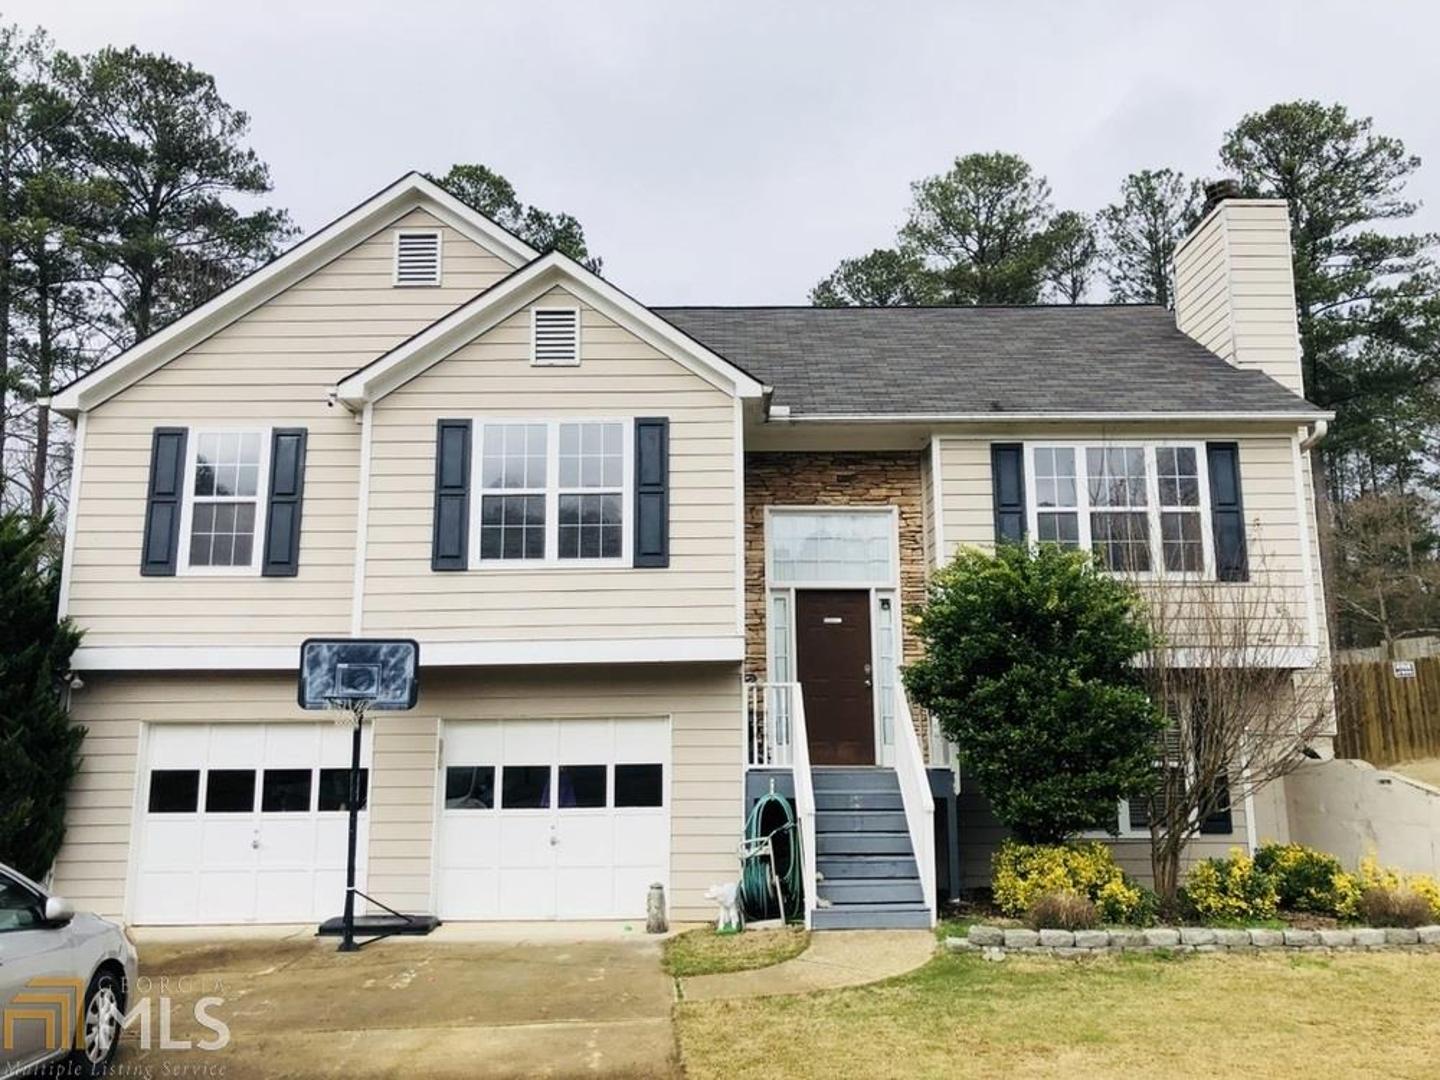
column 347, row 943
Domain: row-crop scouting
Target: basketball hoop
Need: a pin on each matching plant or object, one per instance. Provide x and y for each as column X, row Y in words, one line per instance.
column 349, row 677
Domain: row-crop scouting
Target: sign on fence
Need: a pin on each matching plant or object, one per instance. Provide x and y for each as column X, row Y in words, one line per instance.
column 1403, row 669
column 1389, row 711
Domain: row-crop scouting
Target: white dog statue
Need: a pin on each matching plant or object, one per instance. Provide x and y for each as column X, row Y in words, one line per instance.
column 727, row 896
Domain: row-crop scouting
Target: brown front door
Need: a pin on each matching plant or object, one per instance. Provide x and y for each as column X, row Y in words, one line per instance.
column 832, row 659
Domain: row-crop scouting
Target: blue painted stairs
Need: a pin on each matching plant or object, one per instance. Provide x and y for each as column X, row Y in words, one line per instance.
column 866, row 864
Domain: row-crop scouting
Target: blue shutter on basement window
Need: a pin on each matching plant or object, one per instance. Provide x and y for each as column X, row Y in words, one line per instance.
column 450, row 542
column 1007, row 477
column 1227, row 511
column 163, row 500
column 285, row 495
column 652, row 491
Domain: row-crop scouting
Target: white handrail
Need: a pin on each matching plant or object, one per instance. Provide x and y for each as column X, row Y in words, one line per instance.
column 805, row 794
column 915, row 791
column 771, row 732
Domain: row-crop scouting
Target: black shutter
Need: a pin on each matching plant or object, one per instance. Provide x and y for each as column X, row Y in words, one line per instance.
column 287, row 491
column 1227, row 512
column 652, row 491
column 450, row 545
column 1007, row 478
column 162, row 508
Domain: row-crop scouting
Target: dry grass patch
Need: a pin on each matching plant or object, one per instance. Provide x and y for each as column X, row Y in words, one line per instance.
column 1304, row 1016
column 1426, row 771
column 704, row 952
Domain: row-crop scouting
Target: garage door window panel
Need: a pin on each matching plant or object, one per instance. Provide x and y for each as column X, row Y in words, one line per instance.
column 174, row 791
column 230, row 791
column 470, row 787
column 582, row 787
column 525, row 787
column 334, row 792
column 639, row 785
column 285, row 791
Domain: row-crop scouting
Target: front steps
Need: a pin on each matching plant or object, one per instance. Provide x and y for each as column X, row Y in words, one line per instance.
column 868, row 877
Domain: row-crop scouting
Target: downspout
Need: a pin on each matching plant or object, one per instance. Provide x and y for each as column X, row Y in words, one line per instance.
column 1320, row 430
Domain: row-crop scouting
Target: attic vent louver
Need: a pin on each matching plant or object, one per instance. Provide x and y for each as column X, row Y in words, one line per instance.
column 557, row 335
column 417, row 257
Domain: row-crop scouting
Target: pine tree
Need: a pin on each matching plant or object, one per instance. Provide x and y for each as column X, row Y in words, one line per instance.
column 39, row 747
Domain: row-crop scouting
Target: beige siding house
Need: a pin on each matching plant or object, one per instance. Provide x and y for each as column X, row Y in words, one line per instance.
column 655, row 560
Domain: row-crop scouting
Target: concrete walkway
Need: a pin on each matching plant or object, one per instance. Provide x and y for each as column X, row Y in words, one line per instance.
column 835, row 959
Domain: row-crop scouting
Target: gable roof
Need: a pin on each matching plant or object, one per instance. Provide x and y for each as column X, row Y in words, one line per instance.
column 410, row 192
column 976, row 362
column 510, row 294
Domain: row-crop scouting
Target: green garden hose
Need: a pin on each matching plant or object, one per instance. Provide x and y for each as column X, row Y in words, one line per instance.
column 772, row 818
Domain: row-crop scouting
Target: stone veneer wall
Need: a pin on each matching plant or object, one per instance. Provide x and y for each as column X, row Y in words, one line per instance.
column 825, row 478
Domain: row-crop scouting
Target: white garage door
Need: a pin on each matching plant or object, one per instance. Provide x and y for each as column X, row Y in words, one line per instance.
column 244, row 823
column 545, row 819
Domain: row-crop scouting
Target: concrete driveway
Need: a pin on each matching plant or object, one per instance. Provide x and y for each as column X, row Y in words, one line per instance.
column 481, row 1002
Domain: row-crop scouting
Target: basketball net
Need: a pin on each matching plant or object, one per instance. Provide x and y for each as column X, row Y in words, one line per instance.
column 347, row 711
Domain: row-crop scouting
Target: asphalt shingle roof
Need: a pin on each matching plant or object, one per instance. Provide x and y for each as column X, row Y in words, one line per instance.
column 930, row 361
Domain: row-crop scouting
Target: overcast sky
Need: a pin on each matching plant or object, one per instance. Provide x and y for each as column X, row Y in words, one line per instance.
column 734, row 152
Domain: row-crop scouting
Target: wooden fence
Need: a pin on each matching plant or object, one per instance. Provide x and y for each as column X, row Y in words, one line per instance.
column 1386, row 719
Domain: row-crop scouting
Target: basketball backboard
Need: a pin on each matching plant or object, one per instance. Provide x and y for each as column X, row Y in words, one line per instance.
column 374, row 673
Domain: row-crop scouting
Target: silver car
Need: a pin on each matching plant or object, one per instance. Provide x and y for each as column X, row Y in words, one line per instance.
column 63, row 981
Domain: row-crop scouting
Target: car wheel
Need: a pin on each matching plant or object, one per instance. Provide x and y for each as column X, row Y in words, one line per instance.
column 100, row 1031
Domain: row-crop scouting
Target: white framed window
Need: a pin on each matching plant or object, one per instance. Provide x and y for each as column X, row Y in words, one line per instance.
column 417, row 257
column 555, row 336
column 1139, row 506
column 225, row 479
column 553, row 492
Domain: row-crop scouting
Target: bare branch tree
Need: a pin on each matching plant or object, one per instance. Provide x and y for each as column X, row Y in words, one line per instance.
column 1243, row 714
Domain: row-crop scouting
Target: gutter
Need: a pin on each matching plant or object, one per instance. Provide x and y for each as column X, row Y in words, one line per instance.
column 1320, row 419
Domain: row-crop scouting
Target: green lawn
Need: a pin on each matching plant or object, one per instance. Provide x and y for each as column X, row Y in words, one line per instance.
column 1145, row 1015
column 704, row 952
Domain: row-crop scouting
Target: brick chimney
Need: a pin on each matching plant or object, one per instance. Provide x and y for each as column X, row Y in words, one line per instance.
column 1235, row 287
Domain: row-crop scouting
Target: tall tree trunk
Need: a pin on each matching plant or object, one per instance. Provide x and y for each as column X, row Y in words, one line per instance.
column 6, row 266
column 44, row 374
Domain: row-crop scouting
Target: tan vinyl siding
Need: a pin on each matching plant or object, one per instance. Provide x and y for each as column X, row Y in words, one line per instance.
column 272, row 367
column 1268, row 489
column 927, row 510
column 702, row 702
column 403, row 775
column 619, row 377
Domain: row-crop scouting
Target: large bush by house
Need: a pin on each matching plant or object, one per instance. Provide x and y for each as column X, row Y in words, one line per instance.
column 1026, row 877
column 1028, row 668
column 39, row 749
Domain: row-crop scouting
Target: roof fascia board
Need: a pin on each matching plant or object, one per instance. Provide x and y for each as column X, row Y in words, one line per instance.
column 305, row 258
column 503, row 299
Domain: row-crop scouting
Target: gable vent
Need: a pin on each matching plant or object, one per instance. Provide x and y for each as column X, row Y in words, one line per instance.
column 557, row 335
column 417, row 258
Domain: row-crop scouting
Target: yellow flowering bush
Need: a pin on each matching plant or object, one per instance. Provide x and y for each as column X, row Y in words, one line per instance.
column 1310, row 880
column 1023, row 873
column 1232, row 889
column 1388, row 879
